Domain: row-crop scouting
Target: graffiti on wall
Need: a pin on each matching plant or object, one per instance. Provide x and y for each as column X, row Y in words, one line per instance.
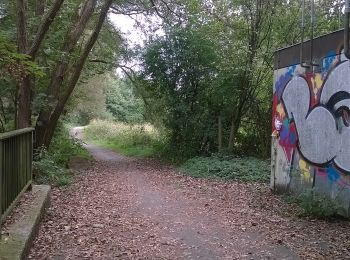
column 311, row 119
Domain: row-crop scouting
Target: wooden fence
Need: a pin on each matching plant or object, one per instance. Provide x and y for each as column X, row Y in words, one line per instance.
column 16, row 156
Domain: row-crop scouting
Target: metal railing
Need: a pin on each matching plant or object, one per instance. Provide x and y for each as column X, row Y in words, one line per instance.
column 16, row 156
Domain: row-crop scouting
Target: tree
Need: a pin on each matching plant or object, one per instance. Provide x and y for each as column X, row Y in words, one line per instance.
column 13, row 67
column 233, row 106
column 88, row 101
column 178, row 71
column 212, row 67
column 61, row 44
column 123, row 103
column 65, row 68
column 48, row 118
column 24, row 83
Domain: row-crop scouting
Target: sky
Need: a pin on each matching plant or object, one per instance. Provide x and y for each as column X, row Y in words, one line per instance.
column 132, row 33
column 127, row 26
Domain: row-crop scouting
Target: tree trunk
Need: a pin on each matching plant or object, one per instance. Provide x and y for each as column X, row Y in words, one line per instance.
column 44, row 25
column 69, row 45
column 59, row 74
column 39, row 10
column 40, row 7
column 231, row 140
column 235, row 124
column 24, row 84
column 21, row 22
column 219, row 133
column 52, row 123
column 24, row 103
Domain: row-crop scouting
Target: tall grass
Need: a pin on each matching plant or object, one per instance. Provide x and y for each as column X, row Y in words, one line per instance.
column 141, row 140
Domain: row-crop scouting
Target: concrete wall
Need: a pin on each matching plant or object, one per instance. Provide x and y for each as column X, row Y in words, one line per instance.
column 311, row 128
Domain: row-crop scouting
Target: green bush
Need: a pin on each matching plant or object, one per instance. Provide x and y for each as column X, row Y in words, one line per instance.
column 247, row 169
column 314, row 204
column 46, row 170
column 50, row 166
column 63, row 147
column 122, row 102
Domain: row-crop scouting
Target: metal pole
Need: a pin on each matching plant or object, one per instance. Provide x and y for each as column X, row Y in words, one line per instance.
column 302, row 35
column 346, row 29
column 312, row 31
column 339, row 5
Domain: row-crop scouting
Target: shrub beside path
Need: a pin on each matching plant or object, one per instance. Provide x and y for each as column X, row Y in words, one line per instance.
column 142, row 209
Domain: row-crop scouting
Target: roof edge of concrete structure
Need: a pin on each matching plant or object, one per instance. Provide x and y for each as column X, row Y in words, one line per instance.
column 17, row 243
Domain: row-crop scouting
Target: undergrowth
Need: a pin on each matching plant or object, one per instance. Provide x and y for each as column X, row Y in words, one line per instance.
column 131, row 140
column 50, row 166
column 314, row 204
column 248, row 169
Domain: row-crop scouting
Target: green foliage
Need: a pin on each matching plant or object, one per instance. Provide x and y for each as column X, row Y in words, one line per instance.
column 122, row 102
column 47, row 170
column 51, row 166
column 105, row 97
column 205, row 65
column 130, row 140
column 14, row 63
column 248, row 169
column 178, row 71
column 52, row 54
column 63, row 147
column 89, row 101
column 314, row 204
column 13, row 66
column 218, row 64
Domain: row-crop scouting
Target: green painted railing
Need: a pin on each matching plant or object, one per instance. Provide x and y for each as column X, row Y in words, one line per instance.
column 16, row 156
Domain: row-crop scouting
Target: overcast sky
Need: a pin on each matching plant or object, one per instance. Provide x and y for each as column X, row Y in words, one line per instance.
column 132, row 33
column 127, row 26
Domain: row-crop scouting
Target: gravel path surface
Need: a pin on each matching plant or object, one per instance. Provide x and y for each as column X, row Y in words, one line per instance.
column 142, row 209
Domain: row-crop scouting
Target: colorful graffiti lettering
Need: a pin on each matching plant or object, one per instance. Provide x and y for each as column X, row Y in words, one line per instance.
column 311, row 118
column 322, row 130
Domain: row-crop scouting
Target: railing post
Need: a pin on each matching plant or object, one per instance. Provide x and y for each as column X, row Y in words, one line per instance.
column 31, row 146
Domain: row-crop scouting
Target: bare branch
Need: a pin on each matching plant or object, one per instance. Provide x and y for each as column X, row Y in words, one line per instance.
column 115, row 10
column 156, row 9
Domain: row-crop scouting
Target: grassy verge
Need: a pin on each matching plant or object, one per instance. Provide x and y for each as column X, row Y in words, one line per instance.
column 130, row 140
column 246, row 169
column 145, row 141
column 50, row 166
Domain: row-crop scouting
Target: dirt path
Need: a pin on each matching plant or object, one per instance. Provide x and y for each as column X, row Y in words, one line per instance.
column 141, row 209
